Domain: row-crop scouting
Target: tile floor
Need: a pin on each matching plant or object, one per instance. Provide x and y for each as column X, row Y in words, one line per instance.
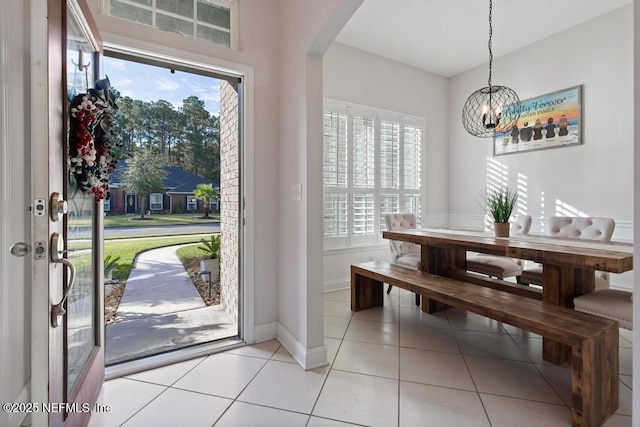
column 389, row 366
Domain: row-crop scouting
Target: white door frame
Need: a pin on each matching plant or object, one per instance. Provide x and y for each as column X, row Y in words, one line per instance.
column 142, row 49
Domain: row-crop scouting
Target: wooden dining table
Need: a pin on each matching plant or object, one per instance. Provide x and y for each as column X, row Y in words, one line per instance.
column 569, row 265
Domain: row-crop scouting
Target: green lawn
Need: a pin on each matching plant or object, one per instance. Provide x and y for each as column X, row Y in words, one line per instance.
column 113, row 221
column 129, row 248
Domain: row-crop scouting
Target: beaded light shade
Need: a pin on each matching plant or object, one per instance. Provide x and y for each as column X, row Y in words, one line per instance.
column 492, row 109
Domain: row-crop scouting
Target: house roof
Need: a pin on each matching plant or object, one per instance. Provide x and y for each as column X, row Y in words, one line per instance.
column 176, row 181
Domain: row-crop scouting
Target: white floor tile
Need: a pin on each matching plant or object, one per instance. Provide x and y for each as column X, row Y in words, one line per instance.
column 264, row 349
column 332, row 346
column 338, row 309
column 126, row 397
column 386, row 313
column 618, row 421
column 489, row 345
column 223, row 374
column 517, row 332
column 426, row 338
column 530, row 346
column 242, row 414
column 464, row 320
column 285, row 386
column 323, row 422
column 627, row 380
column 560, row 379
column 625, row 400
column 373, row 332
column 283, row 355
column 626, row 361
column 367, row 358
column 359, row 399
column 415, row 316
column 335, row 327
column 507, row 412
column 626, row 334
column 167, row 375
column 423, row 405
column 178, row 407
column 510, row 378
column 433, row 368
column 343, row 295
column 407, row 299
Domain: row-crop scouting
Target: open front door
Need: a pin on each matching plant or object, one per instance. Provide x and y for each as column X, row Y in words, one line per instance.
column 68, row 298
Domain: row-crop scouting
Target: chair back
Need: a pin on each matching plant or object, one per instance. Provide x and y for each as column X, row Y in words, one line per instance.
column 521, row 225
column 591, row 228
column 399, row 222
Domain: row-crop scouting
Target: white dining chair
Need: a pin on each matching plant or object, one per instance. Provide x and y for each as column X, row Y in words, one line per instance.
column 403, row 253
column 589, row 228
column 499, row 266
column 611, row 303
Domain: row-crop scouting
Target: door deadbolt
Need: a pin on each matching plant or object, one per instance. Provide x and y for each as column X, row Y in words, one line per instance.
column 58, row 207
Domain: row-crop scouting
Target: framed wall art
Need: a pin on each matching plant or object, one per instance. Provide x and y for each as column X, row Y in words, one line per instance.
column 548, row 121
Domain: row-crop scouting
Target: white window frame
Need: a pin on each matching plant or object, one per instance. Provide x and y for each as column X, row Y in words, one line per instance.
column 233, row 18
column 378, row 115
column 151, row 202
column 106, row 206
column 192, row 201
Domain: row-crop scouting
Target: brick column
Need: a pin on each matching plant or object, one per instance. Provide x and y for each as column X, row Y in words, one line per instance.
column 229, row 198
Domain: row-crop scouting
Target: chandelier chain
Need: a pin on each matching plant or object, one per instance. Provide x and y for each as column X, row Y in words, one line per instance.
column 490, row 35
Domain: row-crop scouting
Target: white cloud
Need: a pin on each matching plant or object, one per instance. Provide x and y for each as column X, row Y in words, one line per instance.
column 164, row 83
column 125, row 82
column 114, row 64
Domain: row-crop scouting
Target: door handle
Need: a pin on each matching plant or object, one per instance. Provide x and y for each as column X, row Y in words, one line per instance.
column 57, row 248
column 20, row 249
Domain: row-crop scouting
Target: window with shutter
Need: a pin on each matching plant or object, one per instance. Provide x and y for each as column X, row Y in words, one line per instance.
column 372, row 166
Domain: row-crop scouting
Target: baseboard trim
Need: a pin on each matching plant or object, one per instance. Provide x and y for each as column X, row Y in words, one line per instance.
column 307, row 358
column 264, row 332
column 336, row 285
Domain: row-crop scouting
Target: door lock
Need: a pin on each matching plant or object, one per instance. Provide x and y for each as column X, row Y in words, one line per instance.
column 20, row 249
column 58, row 207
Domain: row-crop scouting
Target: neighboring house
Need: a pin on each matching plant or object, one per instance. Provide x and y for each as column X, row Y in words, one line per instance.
column 176, row 197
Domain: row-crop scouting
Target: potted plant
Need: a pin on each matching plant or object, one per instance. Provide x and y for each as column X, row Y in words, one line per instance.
column 110, row 264
column 212, row 247
column 499, row 204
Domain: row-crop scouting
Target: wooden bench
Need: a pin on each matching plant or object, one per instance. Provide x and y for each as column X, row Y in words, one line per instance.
column 593, row 339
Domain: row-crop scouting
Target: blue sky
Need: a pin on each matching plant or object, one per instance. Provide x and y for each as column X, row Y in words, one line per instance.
column 149, row 83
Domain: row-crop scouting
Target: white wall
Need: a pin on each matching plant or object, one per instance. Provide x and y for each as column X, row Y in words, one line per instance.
column 594, row 178
column 15, row 295
column 305, row 31
column 392, row 86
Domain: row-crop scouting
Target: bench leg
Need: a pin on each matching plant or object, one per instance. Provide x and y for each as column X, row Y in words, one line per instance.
column 595, row 379
column 365, row 292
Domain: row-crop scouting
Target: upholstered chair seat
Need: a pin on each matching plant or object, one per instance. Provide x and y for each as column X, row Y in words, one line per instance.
column 403, row 253
column 499, row 266
column 589, row 228
column 612, row 303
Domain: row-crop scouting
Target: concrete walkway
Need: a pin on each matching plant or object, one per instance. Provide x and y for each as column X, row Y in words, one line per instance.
column 161, row 310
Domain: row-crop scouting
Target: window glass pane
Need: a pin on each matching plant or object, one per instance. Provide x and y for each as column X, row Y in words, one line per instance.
column 213, row 35
column 411, row 203
column 389, row 203
column 214, row 14
column 363, row 153
column 184, row 8
column 389, row 154
column 130, row 12
column 412, row 157
column 363, row 205
column 335, row 215
column 155, row 202
column 174, row 25
column 335, row 150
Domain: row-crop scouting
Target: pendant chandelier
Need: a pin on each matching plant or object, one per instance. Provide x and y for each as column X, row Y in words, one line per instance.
column 492, row 109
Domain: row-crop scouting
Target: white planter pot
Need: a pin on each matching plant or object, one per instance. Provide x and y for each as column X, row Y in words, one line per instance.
column 209, row 265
